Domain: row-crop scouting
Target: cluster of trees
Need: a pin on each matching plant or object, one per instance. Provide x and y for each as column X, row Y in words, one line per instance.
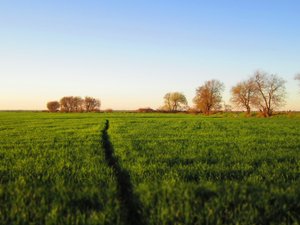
column 74, row 104
column 262, row 91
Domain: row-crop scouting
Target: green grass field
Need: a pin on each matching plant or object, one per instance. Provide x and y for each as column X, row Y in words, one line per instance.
column 53, row 170
column 127, row 168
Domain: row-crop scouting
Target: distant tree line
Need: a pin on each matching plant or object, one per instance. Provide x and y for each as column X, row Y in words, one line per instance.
column 261, row 91
column 74, row 104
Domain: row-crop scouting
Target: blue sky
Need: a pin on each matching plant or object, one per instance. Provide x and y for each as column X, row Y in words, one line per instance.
column 130, row 53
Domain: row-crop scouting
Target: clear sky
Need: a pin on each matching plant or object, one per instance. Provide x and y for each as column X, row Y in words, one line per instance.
column 129, row 53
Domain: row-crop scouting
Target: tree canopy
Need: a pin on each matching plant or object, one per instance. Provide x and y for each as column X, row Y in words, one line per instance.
column 270, row 92
column 175, row 101
column 75, row 104
column 244, row 94
column 53, row 106
column 209, row 96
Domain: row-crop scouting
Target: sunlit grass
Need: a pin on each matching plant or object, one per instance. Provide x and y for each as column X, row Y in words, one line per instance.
column 184, row 169
column 53, row 170
column 197, row 170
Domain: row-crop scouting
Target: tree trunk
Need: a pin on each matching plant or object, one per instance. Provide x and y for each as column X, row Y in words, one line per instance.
column 248, row 110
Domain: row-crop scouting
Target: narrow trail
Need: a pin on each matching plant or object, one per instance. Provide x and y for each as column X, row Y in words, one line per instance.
column 130, row 205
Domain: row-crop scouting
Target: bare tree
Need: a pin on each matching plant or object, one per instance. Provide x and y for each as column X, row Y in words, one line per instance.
column 77, row 104
column 175, row 101
column 66, row 104
column 244, row 94
column 209, row 96
column 71, row 104
column 91, row 104
column 53, row 106
column 270, row 92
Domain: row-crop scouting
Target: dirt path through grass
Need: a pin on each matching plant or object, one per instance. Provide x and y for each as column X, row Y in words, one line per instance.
column 130, row 204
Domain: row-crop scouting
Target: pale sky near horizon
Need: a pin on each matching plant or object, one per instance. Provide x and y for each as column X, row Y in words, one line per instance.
column 130, row 53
